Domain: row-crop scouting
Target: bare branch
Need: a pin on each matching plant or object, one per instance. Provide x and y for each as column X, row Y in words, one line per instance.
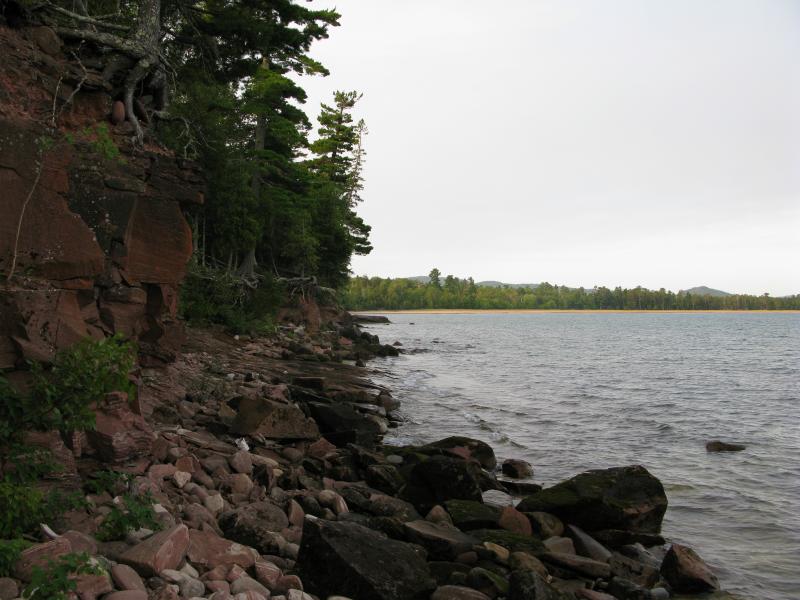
column 84, row 18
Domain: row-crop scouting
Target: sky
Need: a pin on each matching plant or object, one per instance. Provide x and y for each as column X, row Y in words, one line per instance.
column 580, row 142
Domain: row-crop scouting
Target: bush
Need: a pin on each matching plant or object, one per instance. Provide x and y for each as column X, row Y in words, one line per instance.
column 215, row 296
column 57, row 581
column 9, row 553
column 135, row 513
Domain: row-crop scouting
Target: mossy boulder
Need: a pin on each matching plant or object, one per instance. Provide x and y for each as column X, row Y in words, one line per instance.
column 627, row 498
column 468, row 514
column 468, row 448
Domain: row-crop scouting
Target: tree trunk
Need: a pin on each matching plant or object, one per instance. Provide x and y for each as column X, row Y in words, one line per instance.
column 248, row 266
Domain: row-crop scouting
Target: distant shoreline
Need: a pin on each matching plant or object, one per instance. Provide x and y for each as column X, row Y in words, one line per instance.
column 537, row 311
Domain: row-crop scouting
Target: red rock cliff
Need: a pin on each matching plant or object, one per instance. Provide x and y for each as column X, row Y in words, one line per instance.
column 102, row 244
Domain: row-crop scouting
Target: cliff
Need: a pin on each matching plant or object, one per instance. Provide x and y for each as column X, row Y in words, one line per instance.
column 91, row 224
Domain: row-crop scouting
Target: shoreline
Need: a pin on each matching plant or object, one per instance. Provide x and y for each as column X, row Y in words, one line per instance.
column 539, row 311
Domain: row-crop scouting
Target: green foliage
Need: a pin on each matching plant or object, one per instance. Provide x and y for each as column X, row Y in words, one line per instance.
column 134, row 513
column 9, row 553
column 23, row 508
column 57, row 581
column 215, row 296
column 100, row 141
column 364, row 293
column 109, row 481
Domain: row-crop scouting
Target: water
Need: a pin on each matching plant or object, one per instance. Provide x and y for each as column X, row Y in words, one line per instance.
column 570, row 392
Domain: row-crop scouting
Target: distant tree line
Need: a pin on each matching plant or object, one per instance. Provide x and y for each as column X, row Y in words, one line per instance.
column 373, row 293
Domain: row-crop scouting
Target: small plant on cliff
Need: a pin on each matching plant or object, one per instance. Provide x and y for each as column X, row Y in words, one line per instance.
column 135, row 512
column 101, row 142
column 58, row 580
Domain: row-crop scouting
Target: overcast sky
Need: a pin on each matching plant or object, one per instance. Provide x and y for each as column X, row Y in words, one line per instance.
column 581, row 142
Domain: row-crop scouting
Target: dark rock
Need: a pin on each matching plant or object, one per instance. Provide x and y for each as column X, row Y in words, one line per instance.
column 516, row 468
column 385, row 478
column 441, row 541
column 443, row 570
column 579, row 564
column 457, row 592
column 627, row 498
column 487, row 581
column 529, row 585
column 338, row 558
column 342, row 424
column 254, row 525
column 614, row 538
column 520, row 488
column 370, row 319
column 545, row 525
column 719, row 446
column 469, row 514
column 273, row 420
column 467, row 448
column 438, row 479
column 633, row 570
column 510, row 541
column 686, row 572
column 586, row 545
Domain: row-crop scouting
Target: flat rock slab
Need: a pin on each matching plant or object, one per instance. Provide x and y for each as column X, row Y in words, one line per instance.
column 209, row 549
column 164, row 550
column 579, row 564
column 342, row 558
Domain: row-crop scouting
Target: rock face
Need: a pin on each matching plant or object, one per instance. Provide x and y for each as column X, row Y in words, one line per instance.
column 686, row 572
column 627, row 498
column 103, row 243
column 340, row 558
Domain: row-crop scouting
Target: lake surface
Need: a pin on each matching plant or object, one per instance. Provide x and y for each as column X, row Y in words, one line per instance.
column 570, row 392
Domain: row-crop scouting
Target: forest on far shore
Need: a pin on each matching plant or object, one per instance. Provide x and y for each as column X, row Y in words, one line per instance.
column 374, row 293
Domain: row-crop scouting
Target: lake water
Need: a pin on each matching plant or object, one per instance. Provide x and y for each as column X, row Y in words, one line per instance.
column 570, row 392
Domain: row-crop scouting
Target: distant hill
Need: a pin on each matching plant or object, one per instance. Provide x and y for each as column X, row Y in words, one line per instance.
column 511, row 285
column 703, row 290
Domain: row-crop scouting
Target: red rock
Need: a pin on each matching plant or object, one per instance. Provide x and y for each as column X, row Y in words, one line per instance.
column 81, row 542
column 89, row 587
column 513, row 520
column 160, row 472
column 188, row 463
column 164, row 550
column 126, row 578
column 241, row 462
column 120, row 435
column 127, row 595
column 210, row 550
column 321, row 448
column 117, row 112
column 295, row 513
column 686, row 572
column 267, row 573
column 39, row 556
column 288, row 582
column 235, row 573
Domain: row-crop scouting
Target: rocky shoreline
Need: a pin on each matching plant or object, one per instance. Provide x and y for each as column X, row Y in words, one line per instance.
column 265, row 463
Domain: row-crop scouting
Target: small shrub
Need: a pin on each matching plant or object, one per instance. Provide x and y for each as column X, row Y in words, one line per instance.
column 23, row 508
column 113, row 482
column 9, row 553
column 135, row 513
column 57, row 581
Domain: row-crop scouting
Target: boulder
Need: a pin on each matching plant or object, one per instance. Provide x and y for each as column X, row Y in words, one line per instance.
column 254, row 525
column 468, row 448
column 342, row 424
column 208, row 549
column 627, row 498
column 350, row 560
column 164, row 550
column 513, row 520
column 516, row 468
column 120, row 435
column 39, row 555
column 274, row 420
column 441, row 478
column 125, row 578
column 686, row 572
column 441, row 541
column 586, row 545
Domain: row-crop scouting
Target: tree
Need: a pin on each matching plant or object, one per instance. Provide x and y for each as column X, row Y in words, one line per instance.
column 434, row 278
